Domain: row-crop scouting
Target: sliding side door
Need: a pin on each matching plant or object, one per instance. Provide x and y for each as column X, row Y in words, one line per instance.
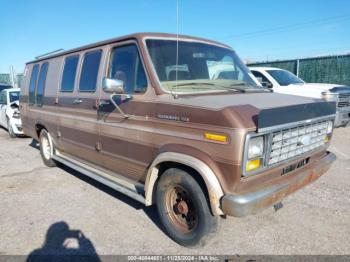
column 77, row 100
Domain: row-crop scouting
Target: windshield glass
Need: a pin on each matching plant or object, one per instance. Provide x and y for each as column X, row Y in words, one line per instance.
column 200, row 67
column 285, row 78
column 2, row 87
column 14, row 96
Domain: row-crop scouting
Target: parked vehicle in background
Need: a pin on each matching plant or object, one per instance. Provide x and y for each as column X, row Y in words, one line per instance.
column 283, row 81
column 4, row 86
column 148, row 115
column 10, row 117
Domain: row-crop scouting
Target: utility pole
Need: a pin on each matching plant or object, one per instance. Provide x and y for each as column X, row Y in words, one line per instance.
column 297, row 69
column 12, row 77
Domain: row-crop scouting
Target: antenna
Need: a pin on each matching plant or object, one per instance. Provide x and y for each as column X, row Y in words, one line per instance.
column 177, row 44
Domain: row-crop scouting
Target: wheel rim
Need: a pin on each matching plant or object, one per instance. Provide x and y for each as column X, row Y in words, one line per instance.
column 180, row 208
column 46, row 148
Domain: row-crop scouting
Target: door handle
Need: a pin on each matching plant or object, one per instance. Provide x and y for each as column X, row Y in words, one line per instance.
column 104, row 102
column 77, row 101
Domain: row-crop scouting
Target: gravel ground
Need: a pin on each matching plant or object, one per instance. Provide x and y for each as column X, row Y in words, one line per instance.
column 48, row 208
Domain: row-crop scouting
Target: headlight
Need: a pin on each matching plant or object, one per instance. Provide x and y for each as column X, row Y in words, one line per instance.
column 255, row 153
column 329, row 131
column 329, row 96
column 256, row 147
column 16, row 114
column 329, row 127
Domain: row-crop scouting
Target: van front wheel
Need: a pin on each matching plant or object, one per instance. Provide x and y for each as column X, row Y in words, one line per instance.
column 46, row 148
column 183, row 209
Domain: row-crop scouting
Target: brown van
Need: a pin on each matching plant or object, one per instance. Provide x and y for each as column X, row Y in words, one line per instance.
column 178, row 122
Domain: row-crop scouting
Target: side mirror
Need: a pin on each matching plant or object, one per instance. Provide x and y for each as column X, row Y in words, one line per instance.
column 266, row 84
column 116, row 88
column 113, row 86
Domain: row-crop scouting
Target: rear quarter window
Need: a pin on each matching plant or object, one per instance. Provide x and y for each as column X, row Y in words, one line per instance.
column 41, row 84
column 32, row 84
column 89, row 71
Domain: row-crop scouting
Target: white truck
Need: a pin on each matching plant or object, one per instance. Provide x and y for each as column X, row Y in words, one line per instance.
column 283, row 81
column 10, row 117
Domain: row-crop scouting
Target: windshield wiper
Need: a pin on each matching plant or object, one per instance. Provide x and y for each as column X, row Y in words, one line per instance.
column 194, row 83
column 223, row 87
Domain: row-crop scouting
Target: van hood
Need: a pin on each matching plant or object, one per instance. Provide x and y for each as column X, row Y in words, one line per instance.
column 233, row 110
column 258, row 100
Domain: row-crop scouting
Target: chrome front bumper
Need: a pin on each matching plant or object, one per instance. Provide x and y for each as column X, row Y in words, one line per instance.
column 252, row 202
column 342, row 118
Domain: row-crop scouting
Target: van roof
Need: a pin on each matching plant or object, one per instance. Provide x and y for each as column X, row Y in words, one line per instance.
column 126, row 37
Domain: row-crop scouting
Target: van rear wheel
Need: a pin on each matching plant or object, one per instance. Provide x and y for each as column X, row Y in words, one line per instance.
column 183, row 209
column 46, row 148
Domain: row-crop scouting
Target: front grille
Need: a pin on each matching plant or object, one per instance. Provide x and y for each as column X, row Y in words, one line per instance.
column 344, row 100
column 292, row 142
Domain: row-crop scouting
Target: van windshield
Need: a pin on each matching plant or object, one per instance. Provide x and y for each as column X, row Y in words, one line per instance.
column 199, row 67
column 2, row 87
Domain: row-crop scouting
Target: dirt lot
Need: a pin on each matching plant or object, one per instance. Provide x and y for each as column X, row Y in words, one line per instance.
column 41, row 205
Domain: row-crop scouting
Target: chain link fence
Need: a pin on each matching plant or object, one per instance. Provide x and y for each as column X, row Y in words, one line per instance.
column 326, row 69
column 6, row 79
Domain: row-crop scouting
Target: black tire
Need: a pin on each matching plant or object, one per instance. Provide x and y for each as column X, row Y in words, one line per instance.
column 198, row 223
column 10, row 130
column 45, row 146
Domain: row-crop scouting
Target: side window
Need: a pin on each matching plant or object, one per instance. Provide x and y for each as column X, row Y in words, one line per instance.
column 69, row 73
column 41, row 84
column 126, row 65
column 32, row 84
column 89, row 71
column 262, row 79
column 13, row 96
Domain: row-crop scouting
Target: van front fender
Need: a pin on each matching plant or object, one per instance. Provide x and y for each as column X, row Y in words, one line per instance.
column 211, row 181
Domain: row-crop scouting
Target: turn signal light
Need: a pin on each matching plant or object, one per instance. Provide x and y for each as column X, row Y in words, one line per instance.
column 216, row 137
column 327, row 138
column 253, row 164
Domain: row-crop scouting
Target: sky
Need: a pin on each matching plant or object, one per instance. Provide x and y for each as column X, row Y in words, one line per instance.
column 257, row 30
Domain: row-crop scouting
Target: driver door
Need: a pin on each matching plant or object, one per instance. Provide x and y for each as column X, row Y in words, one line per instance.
column 124, row 148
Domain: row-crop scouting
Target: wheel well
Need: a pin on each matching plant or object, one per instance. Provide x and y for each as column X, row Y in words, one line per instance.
column 38, row 128
column 162, row 167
